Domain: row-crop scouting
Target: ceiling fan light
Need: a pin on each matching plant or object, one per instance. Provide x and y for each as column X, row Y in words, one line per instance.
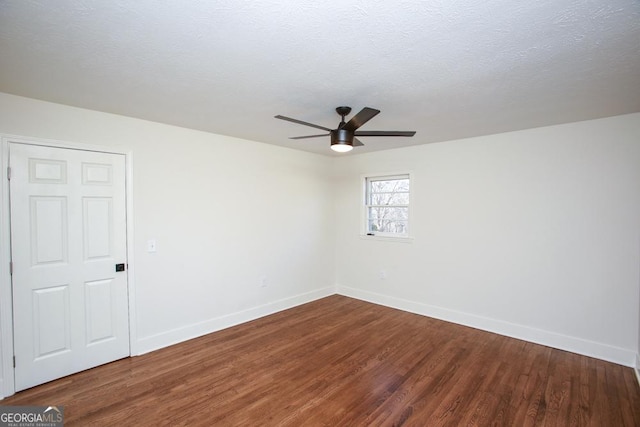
column 341, row 148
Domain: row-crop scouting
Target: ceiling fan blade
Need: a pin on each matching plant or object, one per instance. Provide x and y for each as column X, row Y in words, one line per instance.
column 361, row 118
column 300, row 122
column 309, row 136
column 385, row 133
column 357, row 143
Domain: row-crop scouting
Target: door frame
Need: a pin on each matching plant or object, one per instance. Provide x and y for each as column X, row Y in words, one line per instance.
column 7, row 378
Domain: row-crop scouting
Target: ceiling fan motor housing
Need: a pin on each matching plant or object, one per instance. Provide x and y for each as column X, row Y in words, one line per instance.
column 342, row 136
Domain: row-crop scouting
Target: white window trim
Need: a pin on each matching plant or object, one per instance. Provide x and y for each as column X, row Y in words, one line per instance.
column 385, row 237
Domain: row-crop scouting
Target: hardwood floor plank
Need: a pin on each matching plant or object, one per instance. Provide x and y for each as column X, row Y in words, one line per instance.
column 343, row 362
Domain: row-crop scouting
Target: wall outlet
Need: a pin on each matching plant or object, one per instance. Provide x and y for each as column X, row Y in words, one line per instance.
column 383, row 274
column 263, row 282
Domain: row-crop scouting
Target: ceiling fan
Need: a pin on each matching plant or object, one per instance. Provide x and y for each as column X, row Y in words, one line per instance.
column 343, row 138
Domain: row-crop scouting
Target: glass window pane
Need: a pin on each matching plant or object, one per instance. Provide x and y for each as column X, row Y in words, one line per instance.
column 390, row 213
column 390, row 185
column 386, row 192
column 387, row 226
column 389, row 199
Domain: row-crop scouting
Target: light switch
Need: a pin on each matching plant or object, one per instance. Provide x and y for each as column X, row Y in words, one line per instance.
column 151, row 245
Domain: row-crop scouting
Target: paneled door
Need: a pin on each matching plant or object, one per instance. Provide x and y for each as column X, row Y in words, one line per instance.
column 68, row 233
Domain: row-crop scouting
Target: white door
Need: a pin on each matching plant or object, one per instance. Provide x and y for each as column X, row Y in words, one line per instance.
column 68, row 232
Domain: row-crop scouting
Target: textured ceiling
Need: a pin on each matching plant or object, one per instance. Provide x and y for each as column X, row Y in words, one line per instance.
column 447, row 69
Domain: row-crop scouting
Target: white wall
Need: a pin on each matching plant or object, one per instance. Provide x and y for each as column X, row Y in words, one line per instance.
column 533, row 234
column 225, row 212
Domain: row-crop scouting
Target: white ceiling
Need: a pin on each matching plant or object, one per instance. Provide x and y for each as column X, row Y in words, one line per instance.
column 447, row 69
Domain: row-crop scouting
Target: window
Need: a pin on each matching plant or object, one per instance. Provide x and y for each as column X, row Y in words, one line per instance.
column 387, row 205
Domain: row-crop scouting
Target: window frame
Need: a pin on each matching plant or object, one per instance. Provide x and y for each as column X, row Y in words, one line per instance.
column 384, row 236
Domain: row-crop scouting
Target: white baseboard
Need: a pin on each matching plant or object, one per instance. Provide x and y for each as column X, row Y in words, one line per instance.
column 636, row 369
column 178, row 335
column 606, row 352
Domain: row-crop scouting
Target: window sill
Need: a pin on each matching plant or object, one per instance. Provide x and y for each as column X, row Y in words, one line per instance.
column 407, row 239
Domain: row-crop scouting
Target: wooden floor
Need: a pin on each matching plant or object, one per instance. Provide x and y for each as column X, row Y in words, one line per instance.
column 343, row 362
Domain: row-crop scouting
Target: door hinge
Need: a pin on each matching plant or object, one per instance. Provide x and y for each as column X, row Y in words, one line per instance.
column 14, row 361
column 11, row 268
column 9, row 173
